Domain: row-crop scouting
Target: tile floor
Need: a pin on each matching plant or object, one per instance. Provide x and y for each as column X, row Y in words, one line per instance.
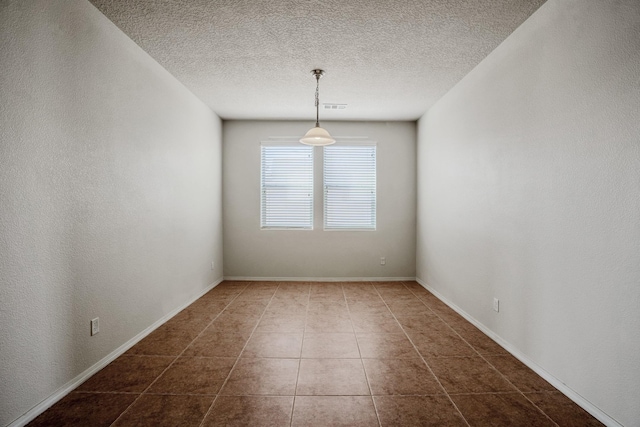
column 316, row 354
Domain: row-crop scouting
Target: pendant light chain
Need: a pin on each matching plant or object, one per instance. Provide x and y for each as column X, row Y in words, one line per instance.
column 317, row 100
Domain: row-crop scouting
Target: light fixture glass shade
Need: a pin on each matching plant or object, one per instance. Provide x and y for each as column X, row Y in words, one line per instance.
column 317, row 136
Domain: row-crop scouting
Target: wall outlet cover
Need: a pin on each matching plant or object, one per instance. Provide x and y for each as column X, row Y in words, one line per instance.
column 95, row 326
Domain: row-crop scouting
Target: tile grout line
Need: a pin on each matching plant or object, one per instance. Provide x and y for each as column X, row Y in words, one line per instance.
column 483, row 358
column 304, row 330
column 375, row 407
column 420, row 354
column 239, row 354
column 176, row 357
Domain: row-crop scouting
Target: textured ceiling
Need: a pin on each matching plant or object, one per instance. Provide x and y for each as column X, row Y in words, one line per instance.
column 251, row 59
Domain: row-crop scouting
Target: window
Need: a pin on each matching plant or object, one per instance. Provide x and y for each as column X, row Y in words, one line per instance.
column 350, row 187
column 287, row 186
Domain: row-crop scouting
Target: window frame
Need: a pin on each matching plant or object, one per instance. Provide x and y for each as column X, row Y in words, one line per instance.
column 360, row 143
column 311, row 185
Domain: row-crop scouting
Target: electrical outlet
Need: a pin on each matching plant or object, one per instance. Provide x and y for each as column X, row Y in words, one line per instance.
column 213, row 264
column 95, row 326
column 383, row 260
column 496, row 305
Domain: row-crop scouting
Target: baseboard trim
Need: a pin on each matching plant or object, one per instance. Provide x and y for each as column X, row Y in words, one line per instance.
column 31, row 414
column 562, row 387
column 319, row 279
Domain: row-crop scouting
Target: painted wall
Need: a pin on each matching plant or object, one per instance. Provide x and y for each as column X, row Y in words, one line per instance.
column 110, row 186
column 251, row 252
column 529, row 191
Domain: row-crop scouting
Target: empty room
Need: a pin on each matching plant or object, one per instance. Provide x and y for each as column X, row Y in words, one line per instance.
column 319, row 213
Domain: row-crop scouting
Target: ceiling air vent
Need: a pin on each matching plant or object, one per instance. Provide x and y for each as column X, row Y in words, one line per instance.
column 335, row 106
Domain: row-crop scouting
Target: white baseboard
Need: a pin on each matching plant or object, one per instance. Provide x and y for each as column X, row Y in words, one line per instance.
column 562, row 387
column 320, row 279
column 30, row 415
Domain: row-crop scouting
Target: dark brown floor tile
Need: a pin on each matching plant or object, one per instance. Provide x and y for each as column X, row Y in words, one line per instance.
column 434, row 303
column 164, row 341
column 388, row 285
column 449, row 315
column 294, row 285
column 501, row 409
column 422, row 324
column 262, row 286
column 292, row 290
column 251, row 303
column 369, row 297
column 221, row 291
column 212, row 300
column 468, row 375
column 274, row 344
column 127, row 374
column 194, row 319
column 384, row 323
column 330, row 391
column 275, row 377
column 414, row 286
column 410, row 308
column 335, row 299
column 234, row 323
column 332, row 377
column 431, row 411
column 220, row 296
column 194, row 375
column 83, row 409
column 368, row 307
column 254, row 411
column 400, row 376
column 334, row 411
column 286, row 307
column 326, row 289
column 391, row 288
column 217, row 344
column 296, row 291
column 226, row 289
column 385, row 346
column 166, row 410
column 336, row 308
column 280, row 323
column 519, row 374
column 445, row 344
column 299, row 294
column 330, row 345
column 251, row 307
column 361, row 317
column 563, row 410
column 323, row 322
column 354, row 292
column 397, row 292
column 480, row 342
column 357, row 303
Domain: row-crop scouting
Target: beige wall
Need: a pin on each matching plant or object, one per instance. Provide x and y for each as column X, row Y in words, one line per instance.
column 251, row 252
column 529, row 191
column 110, row 186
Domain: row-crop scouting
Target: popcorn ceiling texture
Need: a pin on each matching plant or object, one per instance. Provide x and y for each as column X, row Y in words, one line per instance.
column 388, row 60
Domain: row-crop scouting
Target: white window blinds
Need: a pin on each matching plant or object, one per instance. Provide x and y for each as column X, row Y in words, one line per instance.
column 350, row 187
column 287, row 187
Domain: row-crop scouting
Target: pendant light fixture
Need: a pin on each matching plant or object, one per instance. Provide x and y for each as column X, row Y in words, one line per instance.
column 317, row 135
